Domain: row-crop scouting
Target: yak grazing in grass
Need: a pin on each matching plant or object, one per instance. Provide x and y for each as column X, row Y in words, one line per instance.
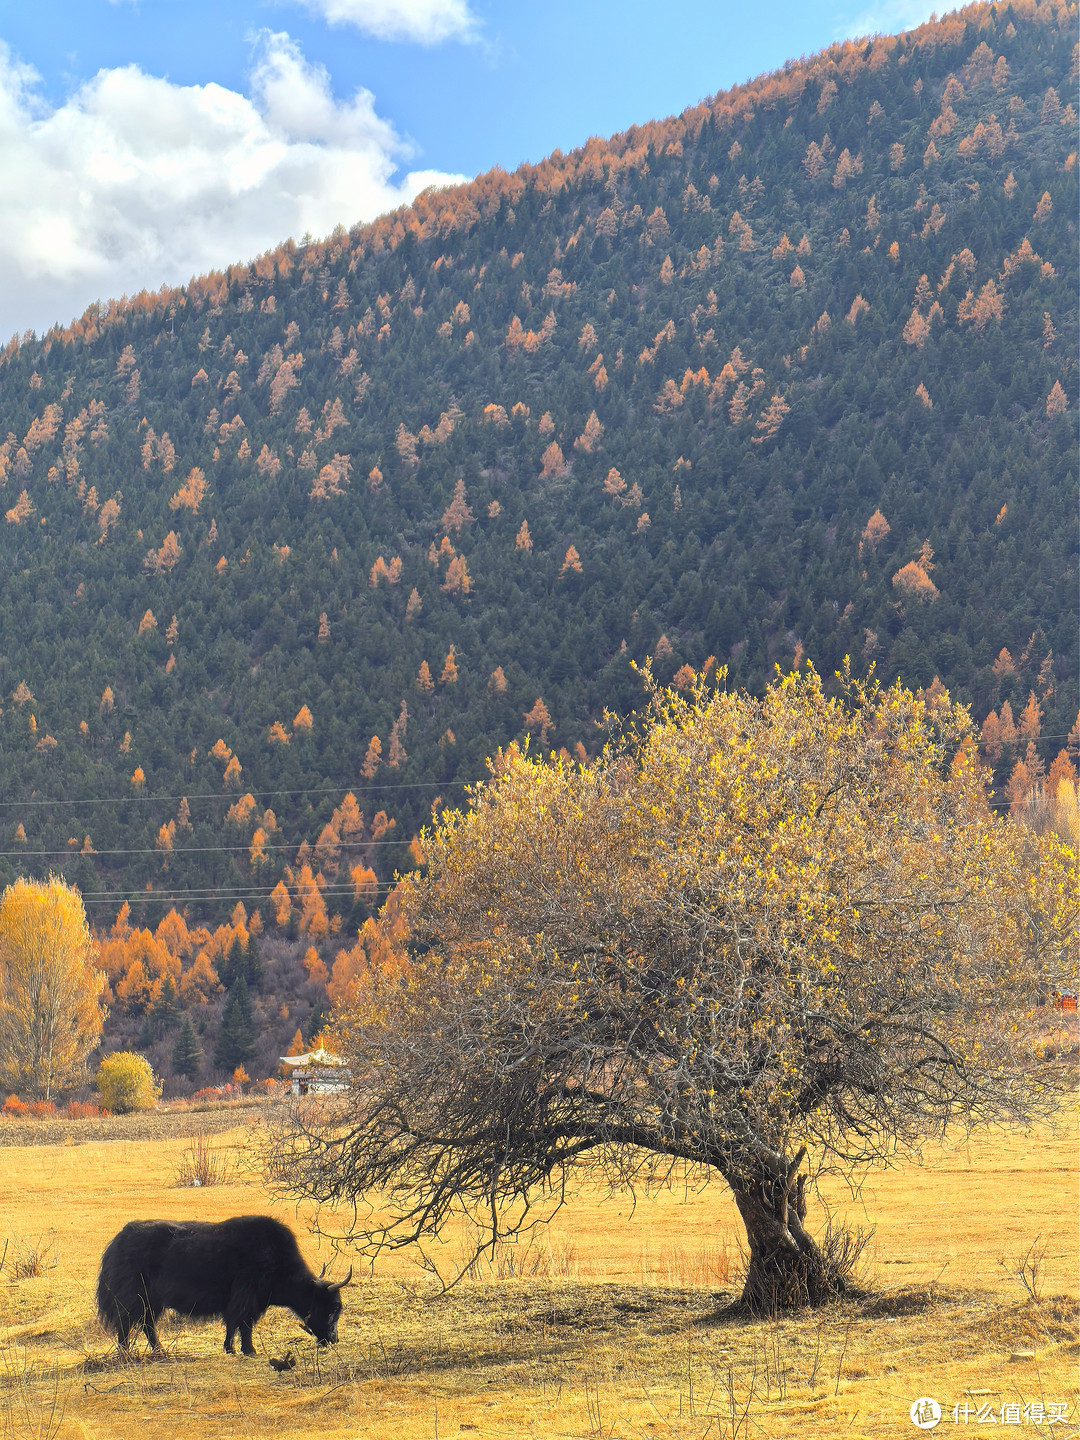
column 235, row 1269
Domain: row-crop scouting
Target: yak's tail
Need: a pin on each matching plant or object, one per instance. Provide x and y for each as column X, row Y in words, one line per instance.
column 110, row 1290
column 106, row 1305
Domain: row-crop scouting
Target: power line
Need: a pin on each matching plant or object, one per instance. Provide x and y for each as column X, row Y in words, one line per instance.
column 232, row 797
column 200, row 891
column 144, row 797
column 226, row 896
column 73, row 854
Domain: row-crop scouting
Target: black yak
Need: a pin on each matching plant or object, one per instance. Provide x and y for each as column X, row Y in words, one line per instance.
column 234, row 1269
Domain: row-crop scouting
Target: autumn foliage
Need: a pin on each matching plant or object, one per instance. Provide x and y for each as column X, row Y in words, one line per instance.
column 649, row 393
column 756, row 930
column 51, row 1011
column 126, row 1083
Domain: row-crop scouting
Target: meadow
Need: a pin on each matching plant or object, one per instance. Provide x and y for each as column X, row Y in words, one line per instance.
column 609, row 1324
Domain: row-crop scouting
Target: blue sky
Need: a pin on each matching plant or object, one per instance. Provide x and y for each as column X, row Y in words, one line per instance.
column 142, row 141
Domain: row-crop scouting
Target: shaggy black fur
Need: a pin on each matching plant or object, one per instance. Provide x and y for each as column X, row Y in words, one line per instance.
column 235, row 1269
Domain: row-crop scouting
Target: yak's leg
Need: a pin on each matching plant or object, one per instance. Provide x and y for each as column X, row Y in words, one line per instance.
column 149, row 1325
column 123, row 1322
column 244, row 1325
column 241, row 1313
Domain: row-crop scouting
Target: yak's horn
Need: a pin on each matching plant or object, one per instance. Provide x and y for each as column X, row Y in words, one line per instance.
column 342, row 1283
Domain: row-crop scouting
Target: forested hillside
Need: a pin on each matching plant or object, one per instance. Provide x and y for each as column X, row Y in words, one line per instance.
column 790, row 375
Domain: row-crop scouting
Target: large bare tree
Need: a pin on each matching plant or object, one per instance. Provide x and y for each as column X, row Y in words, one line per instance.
column 755, row 930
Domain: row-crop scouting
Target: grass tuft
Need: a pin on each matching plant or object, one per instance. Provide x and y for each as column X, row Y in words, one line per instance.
column 32, row 1258
column 202, row 1165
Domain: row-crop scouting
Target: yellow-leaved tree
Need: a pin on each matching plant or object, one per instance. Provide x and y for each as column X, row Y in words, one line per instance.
column 51, row 1014
column 126, row 1083
column 755, row 930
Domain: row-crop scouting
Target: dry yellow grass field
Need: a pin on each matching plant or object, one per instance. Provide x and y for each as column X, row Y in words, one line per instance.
column 608, row 1326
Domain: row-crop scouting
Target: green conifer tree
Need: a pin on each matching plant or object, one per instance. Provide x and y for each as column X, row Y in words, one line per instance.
column 236, row 1037
column 253, row 967
column 165, row 1011
column 187, row 1052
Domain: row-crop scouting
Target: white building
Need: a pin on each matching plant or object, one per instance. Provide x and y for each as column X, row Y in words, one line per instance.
column 317, row 1073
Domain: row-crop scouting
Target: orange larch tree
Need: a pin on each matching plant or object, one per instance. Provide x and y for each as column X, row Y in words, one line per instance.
column 539, row 718
column 457, row 514
column 395, row 754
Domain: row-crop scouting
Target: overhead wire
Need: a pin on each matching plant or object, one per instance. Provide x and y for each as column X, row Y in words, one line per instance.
column 231, row 895
column 232, row 796
column 249, row 891
column 145, row 796
column 70, row 853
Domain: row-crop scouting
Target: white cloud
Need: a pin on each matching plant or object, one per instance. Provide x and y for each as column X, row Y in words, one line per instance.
column 135, row 182
column 427, row 21
column 888, row 17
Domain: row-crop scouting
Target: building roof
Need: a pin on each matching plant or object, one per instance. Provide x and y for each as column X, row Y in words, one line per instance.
column 314, row 1059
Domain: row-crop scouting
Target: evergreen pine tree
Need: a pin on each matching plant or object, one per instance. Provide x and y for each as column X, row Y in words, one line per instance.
column 187, row 1052
column 240, row 960
column 316, row 1020
column 236, row 1037
column 232, row 964
column 165, row 1010
column 253, row 963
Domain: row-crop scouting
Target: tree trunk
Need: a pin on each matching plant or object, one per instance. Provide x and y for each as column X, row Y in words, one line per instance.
column 787, row 1268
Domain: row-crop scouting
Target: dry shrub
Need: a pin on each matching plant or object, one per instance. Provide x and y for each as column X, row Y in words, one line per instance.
column 32, row 1258
column 843, row 1251
column 212, row 1095
column 1028, row 1269
column 40, row 1109
column 82, row 1110
column 201, row 1164
column 16, row 1109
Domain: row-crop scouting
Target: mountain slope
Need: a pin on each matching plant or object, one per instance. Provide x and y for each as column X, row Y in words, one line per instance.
column 642, row 399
